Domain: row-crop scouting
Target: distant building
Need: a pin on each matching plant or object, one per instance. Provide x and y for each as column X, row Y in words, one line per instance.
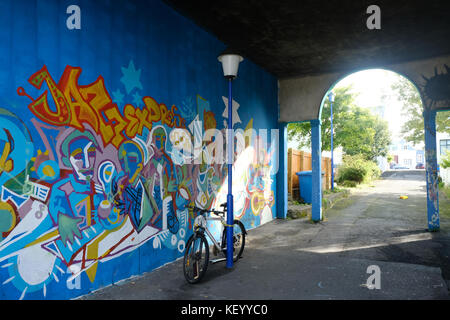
column 379, row 111
column 442, row 144
column 405, row 154
column 382, row 163
column 420, row 156
column 408, row 155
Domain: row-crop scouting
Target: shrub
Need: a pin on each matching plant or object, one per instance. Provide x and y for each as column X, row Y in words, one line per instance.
column 445, row 161
column 352, row 174
column 349, row 184
column 356, row 168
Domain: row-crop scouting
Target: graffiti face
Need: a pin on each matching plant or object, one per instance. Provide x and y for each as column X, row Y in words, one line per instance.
column 180, row 139
column 82, row 157
column 181, row 146
column 16, row 149
column 131, row 157
column 107, row 182
column 159, row 138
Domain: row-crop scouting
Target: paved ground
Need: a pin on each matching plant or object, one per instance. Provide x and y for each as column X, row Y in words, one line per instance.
column 296, row 259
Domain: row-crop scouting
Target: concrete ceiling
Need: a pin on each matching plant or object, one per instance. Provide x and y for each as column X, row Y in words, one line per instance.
column 296, row 38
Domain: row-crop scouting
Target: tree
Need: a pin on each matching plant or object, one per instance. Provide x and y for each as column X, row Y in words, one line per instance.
column 356, row 129
column 301, row 131
column 364, row 133
column 390, row 158
column 445, row 161
column 412, row 129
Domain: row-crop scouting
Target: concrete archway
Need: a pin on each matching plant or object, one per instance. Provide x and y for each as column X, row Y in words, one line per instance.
column 431, row 78
column 308, row 93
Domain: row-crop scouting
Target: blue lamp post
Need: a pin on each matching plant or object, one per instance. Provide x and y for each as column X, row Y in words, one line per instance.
column 230, row 65
column 331, row 99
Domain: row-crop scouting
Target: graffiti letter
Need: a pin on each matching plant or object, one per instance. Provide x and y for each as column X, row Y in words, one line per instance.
column 114, row 114
column 133, row 122
column 82, row 112
column 142, row 115
column 98, row 98
column 40, row 106
column 152, row 105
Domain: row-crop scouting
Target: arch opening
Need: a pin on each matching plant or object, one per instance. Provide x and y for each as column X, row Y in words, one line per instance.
column 425, row 159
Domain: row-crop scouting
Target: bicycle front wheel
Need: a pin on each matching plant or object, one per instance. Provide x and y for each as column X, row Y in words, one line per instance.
column 238, row 240
column 196, row 258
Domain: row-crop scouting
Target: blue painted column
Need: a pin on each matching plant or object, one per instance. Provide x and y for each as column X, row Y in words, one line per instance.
column 230, row 212
column 431, row 169
column 282, row 183
column 332, row 148
column 316, row 159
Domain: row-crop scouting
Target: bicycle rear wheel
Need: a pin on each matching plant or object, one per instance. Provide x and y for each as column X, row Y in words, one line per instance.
column 196, row 258
column 238, row 240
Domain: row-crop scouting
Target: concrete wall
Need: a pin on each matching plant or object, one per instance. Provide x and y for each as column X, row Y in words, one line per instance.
column 440, row 136
column 301, row 98
column 97, row 126
column 445, row 174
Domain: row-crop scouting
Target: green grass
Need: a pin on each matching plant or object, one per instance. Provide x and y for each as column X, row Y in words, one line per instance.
column 348, row 184
column 444, row 201
column 335, row 190
column 445, row 190
column 297, row 203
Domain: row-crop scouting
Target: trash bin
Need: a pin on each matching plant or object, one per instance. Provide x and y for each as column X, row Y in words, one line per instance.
column 305, row 185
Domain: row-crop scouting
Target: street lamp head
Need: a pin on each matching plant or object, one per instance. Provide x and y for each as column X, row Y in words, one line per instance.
column 230, row 64
column 331, row 96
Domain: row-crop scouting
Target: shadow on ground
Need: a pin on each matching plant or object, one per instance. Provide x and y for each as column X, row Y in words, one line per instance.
column 298, row 259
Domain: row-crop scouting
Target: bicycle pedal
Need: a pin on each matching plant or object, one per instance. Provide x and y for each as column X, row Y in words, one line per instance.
column 217, row 260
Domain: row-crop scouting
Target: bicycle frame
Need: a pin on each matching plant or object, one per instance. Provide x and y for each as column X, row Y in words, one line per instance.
column 208, row 233
column 195, row 251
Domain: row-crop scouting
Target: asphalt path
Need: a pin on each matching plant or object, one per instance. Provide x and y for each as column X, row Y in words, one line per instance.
column 370, row 245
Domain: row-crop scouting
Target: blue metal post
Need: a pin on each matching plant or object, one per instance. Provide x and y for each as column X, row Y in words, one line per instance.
column 282, row 183
column 230, row 215
column 316, row 159
column 431, row 169
column 332, row 162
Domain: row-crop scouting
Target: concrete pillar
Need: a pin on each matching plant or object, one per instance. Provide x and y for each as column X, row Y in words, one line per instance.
column 316, row 163
column 282, row 176
column 431, row 169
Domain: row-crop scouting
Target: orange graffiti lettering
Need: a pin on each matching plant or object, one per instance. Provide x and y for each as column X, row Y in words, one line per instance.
column 91, row 104
column 40, row 107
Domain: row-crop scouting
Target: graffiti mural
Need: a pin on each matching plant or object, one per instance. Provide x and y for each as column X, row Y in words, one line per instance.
column 436, row 88
column 111, row 177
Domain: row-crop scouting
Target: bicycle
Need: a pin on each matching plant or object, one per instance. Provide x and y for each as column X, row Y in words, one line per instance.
column 196, row 256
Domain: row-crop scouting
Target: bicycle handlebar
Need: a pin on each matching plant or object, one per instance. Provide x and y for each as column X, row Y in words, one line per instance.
column 202, row 211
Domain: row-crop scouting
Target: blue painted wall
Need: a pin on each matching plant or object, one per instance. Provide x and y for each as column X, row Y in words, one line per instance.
column 58, row 244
